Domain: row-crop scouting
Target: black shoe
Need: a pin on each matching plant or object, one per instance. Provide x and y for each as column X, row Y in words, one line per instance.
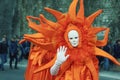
column 3, row 69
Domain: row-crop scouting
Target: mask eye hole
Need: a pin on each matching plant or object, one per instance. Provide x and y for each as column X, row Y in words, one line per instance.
column 76, row 37
column 71, row 38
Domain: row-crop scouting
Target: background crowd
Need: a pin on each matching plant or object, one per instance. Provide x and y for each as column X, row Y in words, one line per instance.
column 12, row 52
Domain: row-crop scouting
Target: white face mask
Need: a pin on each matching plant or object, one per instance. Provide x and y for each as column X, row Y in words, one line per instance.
column 73, row 37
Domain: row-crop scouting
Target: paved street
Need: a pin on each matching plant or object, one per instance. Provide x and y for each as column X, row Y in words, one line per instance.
column 105, row 78
column 109, row 75
column 14, row 74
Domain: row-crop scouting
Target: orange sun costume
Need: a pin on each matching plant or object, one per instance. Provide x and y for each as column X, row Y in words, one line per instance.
column 82, row 63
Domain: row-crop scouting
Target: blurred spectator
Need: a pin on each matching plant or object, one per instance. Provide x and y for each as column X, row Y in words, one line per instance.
column 24, row 47
column 3, row 52
column 27, row 49
column 116, row 48
column 13, row 53
column 106, row 64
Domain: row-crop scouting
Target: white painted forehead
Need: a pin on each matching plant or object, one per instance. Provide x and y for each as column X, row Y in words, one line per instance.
column 73, row 33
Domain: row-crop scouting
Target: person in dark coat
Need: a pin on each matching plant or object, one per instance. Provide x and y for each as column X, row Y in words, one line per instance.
column 3, row 52
column 116, row 48
column 13, row 53
column 106, row 64
column 24, row 47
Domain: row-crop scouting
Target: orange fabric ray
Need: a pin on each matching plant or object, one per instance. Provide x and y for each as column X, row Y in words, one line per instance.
column 41, row 23
column 47, row 46
column 72, row 9
column 53, row 25
column 96, row 30
column 32, row 17
column 80, row 14
column 104, row 41
column 35, row 36
column 100, row 52
column 92, row 17
column 39, row 28
column 64, row 19
column 55, row 13
column 21, row 41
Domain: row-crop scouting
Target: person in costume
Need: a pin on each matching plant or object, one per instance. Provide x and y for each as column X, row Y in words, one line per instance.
column 65, row 49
